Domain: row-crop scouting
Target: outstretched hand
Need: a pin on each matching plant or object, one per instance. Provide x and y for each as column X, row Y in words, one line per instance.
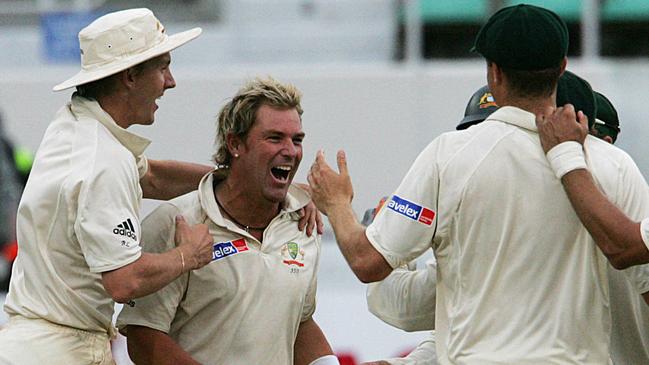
column 329, row 188
column 562, row 124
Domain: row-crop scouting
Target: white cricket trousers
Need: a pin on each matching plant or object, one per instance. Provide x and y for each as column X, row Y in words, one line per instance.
column 26, row 341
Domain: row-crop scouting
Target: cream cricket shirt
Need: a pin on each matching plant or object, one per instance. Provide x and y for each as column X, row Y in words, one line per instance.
column 78, row 217
column 246, row 305
column 629, row 320
column 519, row 279
column 405, row 299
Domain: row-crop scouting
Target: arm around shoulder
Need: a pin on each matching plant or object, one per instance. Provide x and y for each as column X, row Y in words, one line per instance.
column 618, row 237
column 166, row 179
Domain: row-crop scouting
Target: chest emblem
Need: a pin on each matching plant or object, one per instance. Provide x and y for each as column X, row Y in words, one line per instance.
column 292, row 254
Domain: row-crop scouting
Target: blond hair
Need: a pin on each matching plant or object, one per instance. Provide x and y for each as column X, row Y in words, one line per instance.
column 239, row 114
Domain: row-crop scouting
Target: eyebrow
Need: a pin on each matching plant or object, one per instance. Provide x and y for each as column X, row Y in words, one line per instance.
column 274, row 131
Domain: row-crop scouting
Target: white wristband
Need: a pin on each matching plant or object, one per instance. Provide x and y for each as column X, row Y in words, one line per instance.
column 326, row 360
column 565, row 157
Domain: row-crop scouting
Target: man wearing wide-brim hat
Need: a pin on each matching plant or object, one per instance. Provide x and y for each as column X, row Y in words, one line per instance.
column 520, row 280
column 78, row 221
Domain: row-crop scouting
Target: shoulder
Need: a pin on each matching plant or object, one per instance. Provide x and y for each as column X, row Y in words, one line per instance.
column 296, row 198
column 186, row 205
column 453, row 148
column 605, row 155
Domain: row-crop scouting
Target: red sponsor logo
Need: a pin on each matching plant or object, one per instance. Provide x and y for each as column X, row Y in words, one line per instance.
column 240, row 244
column 427, row 216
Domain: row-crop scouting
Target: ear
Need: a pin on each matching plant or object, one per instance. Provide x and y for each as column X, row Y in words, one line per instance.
column 234, row 144
column 608, row 139
column 564, row 64
column 495, row 72
column 128, row 78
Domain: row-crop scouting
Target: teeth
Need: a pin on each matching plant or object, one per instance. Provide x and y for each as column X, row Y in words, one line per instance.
column 284, row 168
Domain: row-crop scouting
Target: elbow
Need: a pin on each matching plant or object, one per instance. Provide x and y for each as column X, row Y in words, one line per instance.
column 619, row 262
column 121, row 288
column 123, row 294
column 619, row 257
column 368, row 273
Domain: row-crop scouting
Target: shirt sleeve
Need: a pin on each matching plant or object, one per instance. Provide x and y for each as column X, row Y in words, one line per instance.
column 157, row 310
column 310, row 299
column 142, row 165
column 107, row 224
column 424, row 354
column 405, row 299
column 404, row 227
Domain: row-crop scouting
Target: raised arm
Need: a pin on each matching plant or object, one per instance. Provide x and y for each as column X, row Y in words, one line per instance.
column 332, row 193
column 166, row 179
column 147, row 346
column 618, row 236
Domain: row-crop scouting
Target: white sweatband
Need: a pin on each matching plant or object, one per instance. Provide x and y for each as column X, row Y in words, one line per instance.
column 326, row 360
column 565, row 157
column 644, row 231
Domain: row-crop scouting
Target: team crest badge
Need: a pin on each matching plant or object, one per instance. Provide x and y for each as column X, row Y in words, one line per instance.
column 292, row 254
column 487, row 100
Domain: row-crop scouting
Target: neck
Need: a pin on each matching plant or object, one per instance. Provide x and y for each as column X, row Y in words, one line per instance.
column 533, row 105
column 248, row 213
column 116, row 108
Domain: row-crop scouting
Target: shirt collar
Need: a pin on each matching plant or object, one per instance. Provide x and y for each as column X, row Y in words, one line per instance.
column 296, row 198
column 515, row 116
column 88, row 108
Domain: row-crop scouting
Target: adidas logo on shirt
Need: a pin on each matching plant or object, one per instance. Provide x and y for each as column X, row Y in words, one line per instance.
column 125, row 229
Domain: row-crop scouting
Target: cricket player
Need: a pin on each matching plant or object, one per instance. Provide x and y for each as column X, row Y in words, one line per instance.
column 253, row 304
column 78, row 222
column 403, row 299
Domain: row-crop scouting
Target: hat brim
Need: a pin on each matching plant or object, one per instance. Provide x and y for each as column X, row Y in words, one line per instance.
column 172, row 42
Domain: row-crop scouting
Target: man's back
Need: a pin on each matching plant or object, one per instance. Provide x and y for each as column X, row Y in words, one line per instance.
column 522, row 282
column 519, row 279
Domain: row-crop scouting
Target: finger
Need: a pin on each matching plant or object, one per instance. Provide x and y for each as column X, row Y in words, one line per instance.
column 181, row 227
column 309, row 227
column 582, row 119
column 319, row 158
column 319, row 223
column 311, row 181
column 342, row 162
column 569, row 109
column 302, row 222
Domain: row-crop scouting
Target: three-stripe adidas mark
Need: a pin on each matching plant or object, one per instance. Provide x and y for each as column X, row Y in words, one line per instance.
column 126, row 229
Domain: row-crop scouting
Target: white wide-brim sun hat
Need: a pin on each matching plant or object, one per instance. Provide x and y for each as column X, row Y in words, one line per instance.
column 119, row 40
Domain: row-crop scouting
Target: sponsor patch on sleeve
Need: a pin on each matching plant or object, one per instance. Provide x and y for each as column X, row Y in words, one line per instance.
column 224, row 249
column 411, row 210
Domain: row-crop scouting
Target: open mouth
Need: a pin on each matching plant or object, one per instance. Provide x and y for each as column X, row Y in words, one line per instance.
column 281, row 172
